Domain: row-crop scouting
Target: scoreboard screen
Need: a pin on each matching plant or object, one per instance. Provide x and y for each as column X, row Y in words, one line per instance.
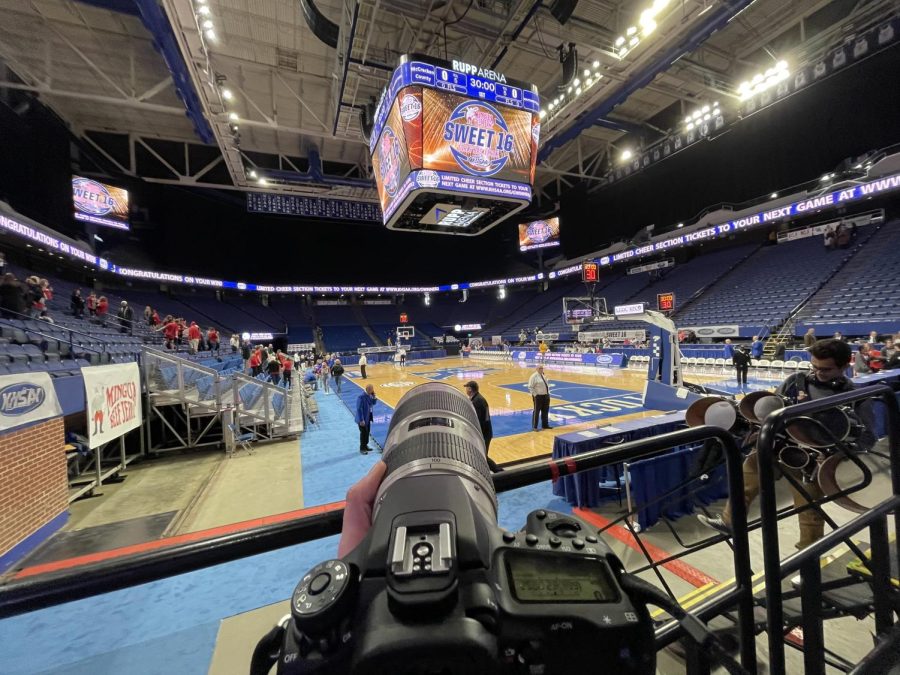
column 665, row 302
column 590, row 272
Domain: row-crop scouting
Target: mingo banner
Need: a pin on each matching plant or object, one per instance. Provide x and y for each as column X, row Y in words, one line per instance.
column 113, row 396
column 26, row 398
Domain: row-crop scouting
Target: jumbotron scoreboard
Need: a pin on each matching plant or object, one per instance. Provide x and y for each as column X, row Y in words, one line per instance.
column 453, row 147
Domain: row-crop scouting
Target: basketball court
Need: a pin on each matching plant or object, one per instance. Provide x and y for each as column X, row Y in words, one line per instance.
column 582, row 397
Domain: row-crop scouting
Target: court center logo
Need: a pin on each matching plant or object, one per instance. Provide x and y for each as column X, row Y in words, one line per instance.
column 92, row 197
column 539, row 231
column 479, row 138
column 389, row 161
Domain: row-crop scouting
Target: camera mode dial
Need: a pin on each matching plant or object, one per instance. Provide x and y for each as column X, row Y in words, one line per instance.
column 324, row 596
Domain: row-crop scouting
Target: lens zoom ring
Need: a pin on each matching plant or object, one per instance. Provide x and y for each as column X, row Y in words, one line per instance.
column 439, row 400
column 438, row 444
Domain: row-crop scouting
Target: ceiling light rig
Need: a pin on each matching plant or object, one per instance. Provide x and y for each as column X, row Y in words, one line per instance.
column 634, row 35
column 703, row 114
column 582, row 84
column 205, row 24
column 763, row 81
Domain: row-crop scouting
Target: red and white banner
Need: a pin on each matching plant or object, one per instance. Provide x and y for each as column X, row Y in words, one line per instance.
column 113, row 397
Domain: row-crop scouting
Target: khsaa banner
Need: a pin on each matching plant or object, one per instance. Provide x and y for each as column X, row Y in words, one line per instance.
column 27, row 397
column 113, row 396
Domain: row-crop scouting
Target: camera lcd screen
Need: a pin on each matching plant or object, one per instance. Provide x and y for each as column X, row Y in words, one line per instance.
column 537, row 577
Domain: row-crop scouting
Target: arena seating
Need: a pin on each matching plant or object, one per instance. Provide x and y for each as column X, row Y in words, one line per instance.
column 861, row 296
column 765, row 288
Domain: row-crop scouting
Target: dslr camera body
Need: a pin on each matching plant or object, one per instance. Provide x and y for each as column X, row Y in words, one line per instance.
column 437, row 588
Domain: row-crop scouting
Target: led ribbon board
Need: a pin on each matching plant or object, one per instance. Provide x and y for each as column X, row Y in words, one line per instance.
column 453, row 135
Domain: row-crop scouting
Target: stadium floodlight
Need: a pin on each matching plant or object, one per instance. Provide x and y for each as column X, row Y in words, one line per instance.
column 227, row 95
column 501, row 293
column 203, row 10
column 631, row 31
column 774, row 195
column 765, row 80
column 626, row 155
column 578, row 91
column 233, row 117
column 596, row 65
column 543, row 113
column 620, row 41
column 211, row 35
column 253, row 174
column 587, row 72
column 680, row 224
column 207, row 24
column 427, row 299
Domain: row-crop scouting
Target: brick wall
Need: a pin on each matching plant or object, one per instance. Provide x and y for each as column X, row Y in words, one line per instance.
column 33, row 481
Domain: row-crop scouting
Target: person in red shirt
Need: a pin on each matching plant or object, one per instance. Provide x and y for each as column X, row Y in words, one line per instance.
column 194, row 336
column 92, row 304
column 102, row 309
column 171, row 333
column 154, row 318
column 287, row 363
column 212, row 339
column 255, row 362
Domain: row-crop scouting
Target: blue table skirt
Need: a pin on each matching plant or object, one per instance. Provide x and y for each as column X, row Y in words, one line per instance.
column 649, row 478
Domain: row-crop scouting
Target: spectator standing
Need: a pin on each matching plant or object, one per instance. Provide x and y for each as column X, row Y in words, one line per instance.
column 873, row 338
column 756, row 347
column 402, row 355
column 170, row 332
column 543, row 349
column 729, row 349
column 337, row 372
column 539, row 389
column 255, row 361
column 363, row 362
column 483, row 413
column 365, row 405
column 809, row 338
column 76, row 304
column 741, row 361
column 194, row 337
column 287, row 368
column 235, row 342
column 273, row 368
column 154, row 318
column 102, row 310
column 245, row 354
column 126, row 317
column 47, row 291
column 12, row 297
column 212, row 339
column 148, row 314
column 323, row 376
column 92, row 303
column 862, row 361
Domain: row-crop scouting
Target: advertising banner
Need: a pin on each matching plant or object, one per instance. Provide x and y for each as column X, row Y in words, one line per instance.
column 604, row 360
column 714, row 331
column 28, row 397
column 113, row 397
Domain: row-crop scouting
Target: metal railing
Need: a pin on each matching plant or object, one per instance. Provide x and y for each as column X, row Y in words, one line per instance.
column 775, row 570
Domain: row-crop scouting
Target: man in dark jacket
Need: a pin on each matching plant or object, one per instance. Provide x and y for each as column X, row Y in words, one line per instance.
column 337, row 370
column 125, row 316
column 829, row 362
column 12, row 297
column 483, row 413
column 77, row 304
column 741, row 360
column 365, row 403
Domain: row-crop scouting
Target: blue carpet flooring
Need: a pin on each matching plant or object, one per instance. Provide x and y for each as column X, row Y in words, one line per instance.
column 170, row 626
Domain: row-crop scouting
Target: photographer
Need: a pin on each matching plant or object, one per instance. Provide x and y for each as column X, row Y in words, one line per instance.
column 829, row 361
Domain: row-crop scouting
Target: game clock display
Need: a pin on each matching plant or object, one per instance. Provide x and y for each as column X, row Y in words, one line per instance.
column 590, row 272
column 665, row 302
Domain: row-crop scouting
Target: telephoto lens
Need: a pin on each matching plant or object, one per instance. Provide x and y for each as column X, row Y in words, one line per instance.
column 434, row 431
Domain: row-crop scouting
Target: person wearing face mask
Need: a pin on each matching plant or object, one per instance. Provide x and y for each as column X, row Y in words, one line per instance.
column 830, row 359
